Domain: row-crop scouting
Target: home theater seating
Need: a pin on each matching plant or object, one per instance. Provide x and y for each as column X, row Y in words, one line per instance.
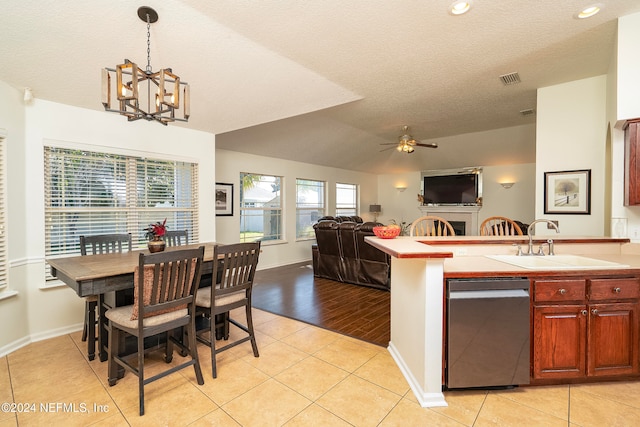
column 341, row 253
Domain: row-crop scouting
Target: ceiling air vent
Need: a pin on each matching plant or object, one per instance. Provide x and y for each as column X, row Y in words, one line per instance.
column 510, row 79
column 528, row 112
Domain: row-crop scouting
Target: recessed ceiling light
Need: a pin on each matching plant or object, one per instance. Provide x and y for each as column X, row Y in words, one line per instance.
column 459, row 7
column 588, row 12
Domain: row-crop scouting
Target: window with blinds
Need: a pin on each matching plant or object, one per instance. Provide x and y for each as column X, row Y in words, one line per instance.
column 3, row 205
column 89, row 193
column 346, row 199
column 260, row 207
column 310, row 200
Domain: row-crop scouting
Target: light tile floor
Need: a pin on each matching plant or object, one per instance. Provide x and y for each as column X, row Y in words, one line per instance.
column 305, row 376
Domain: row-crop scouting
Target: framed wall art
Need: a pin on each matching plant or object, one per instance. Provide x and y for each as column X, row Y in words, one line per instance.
column 224, row 199
column 567, row 192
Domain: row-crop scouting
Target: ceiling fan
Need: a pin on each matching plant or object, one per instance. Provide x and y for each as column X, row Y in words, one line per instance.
column 406, row 143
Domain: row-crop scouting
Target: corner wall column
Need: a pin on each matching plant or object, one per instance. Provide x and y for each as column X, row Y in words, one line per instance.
column 416, row 325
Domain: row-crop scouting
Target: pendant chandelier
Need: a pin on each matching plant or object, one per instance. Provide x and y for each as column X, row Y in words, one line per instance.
column 144, row 94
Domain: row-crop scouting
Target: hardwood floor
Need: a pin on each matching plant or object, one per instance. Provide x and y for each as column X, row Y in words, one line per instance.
column 292, row 291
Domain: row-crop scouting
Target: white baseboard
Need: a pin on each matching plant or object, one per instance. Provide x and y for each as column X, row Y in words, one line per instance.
column 11, row 347
column 52, row 333
column 426, row 400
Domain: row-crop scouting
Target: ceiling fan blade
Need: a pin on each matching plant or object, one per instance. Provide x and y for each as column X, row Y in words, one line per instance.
column 387, row 149
column 428, row 145
column 389, row 143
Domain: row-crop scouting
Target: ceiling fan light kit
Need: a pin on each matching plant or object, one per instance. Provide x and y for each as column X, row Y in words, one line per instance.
column 159, row 100
column 407, row 143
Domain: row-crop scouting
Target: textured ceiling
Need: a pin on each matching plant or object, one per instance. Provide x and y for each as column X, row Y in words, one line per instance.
column 326, row 82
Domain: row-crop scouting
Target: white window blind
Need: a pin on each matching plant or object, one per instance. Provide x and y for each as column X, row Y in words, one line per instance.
column 89, row 193
column 260, row 207
column 346, row 199
column 310, row 201
column 3, row 205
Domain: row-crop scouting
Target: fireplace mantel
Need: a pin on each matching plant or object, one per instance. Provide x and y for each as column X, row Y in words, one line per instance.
column 466, row 213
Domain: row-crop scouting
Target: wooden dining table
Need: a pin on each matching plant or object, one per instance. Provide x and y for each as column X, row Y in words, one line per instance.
column 104, row 274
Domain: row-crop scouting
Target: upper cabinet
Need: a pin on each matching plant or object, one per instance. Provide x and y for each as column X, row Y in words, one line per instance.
column 632, row 163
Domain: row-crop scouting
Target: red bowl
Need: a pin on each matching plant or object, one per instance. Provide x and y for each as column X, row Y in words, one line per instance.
column 386, row 232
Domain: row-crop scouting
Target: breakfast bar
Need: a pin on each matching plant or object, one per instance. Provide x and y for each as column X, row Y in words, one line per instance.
column 421, row 266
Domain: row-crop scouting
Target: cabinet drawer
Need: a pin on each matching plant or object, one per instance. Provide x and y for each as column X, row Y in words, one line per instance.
column 560, row 290
column 608, row 289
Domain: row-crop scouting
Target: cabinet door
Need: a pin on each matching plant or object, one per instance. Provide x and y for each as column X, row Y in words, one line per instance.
column 559, row 348
column 613, row 339
column 632, row 163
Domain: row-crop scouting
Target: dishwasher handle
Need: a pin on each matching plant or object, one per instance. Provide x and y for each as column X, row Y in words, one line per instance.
column 491, row 293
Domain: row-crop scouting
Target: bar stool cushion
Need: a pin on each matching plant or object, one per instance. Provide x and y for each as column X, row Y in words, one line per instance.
column 122, row 316
column 203, row 297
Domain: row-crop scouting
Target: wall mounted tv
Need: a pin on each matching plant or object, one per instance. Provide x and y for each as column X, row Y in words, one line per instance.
column 454, row 189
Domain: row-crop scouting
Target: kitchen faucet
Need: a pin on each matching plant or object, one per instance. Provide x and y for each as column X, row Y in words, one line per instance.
column 549, row 241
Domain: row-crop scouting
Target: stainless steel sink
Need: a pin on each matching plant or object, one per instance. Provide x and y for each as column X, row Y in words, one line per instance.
column 556, row 262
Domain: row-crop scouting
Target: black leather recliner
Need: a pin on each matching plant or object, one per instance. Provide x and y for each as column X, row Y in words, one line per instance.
column 350, row 259
column 328, row 263
column 342, row 254
column 375, row 265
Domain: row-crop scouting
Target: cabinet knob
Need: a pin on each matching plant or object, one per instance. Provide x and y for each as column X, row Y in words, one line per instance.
column 583, row 312
column 616, row 290
column 562, row 291
column 594, row 311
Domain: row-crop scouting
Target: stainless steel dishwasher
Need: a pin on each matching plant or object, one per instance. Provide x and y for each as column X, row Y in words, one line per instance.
column 487, row 333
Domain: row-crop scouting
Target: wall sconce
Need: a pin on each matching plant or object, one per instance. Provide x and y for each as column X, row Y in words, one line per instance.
column 375, row 210
column 400, row 188
column 507, row 185
column 28, row 95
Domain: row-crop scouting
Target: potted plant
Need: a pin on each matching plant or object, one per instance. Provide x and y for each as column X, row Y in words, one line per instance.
column 154, row 233
column 404, row 227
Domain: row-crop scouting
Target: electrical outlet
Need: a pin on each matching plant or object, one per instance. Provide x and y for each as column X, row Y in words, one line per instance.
column 634, row 232
column 550, row 227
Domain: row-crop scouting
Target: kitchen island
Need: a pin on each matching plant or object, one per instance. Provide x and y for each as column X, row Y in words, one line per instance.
column 420, row 266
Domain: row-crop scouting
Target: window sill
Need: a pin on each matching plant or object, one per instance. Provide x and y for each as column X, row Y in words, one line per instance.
column 305, row 239
column 272, row 242
column 6, row 294
column 52, row 284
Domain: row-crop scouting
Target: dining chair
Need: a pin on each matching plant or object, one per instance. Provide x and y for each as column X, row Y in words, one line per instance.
column 499, row 226
column 235, row 269
column 430, row 225
column 166, row 284
column 98, row 244
column 176, row 238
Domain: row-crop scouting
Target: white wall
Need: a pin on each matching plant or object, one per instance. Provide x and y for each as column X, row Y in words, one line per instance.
column 13, row 309
column 55, row 310
column 229, row 164
column 400, row 206
column 624, row 103
column 517, row 203
column 628, row 67
column 572, row 135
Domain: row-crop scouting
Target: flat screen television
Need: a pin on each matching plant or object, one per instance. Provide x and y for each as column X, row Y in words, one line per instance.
column 458, row 189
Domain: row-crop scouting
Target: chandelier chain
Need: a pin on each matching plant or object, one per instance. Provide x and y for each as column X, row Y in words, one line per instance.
column 149, row 70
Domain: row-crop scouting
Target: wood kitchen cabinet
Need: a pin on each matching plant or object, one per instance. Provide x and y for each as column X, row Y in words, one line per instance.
column 632, row 163
column 586, row 328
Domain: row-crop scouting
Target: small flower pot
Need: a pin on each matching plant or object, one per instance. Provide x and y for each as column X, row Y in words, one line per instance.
column 156, row 245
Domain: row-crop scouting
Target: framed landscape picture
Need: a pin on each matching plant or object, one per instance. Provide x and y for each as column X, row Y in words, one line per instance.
column 224, row 199
column 567, row 192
